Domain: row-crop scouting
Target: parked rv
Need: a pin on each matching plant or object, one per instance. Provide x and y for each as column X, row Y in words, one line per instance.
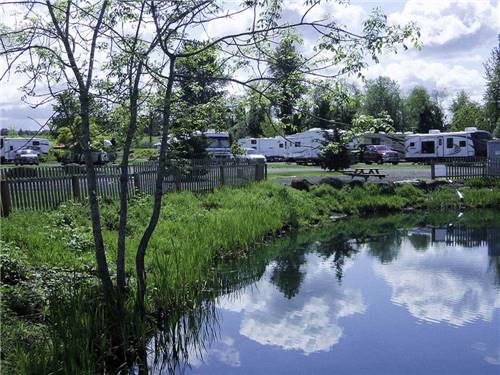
column 302, row 148
column 273, row 148
column 218, row 144
column 9, row 147
column 469, row 143
column 305, row 147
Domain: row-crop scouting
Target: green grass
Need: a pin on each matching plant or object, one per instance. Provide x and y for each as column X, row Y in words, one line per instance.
column 289, row 165
column 197, row 235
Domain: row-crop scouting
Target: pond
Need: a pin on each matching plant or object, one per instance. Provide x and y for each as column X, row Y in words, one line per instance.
column 424, row 299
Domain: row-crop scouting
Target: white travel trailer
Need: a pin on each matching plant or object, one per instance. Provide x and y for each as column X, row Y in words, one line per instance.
column 395, row 141
column 436, row 145
column 306, row 147
column 9, row 147
column 273, row 148
column 218, row 144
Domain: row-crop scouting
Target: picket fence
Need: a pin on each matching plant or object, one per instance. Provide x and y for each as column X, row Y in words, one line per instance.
column 45, row 188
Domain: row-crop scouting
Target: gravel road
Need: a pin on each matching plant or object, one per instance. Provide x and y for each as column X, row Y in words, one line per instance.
column 392, row 174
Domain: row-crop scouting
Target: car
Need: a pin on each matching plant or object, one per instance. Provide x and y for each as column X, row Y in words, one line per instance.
column 379, row 154
column 252, row 155
column 26, row 156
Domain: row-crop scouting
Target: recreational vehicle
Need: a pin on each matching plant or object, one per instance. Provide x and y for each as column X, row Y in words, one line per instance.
column 9, row 147
column 218, row 144
column 273, row 148
column 469, row 143
column 305, row 147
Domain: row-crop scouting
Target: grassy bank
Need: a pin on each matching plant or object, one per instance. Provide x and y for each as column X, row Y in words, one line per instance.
column 47, row 258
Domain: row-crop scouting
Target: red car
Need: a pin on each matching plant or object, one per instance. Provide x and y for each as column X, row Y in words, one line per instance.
column 379, row 154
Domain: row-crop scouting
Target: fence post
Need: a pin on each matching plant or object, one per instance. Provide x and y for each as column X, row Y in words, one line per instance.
column 177, row 179
column 265, row 171
column 433, row 171
column 6, row 203
column 221, row 175
column 75, row 187
column 257, row 172
column 137, row 182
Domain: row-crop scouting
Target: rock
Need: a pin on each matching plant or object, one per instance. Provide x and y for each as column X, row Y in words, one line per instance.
column 303, row 184
column 334, row 182
column 435, row 184
column 355, row 183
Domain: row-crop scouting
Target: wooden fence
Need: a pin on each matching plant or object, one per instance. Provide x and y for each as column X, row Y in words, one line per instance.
column 464, row 169
column 44, row 188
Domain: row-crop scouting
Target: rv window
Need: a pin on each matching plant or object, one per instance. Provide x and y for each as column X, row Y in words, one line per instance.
column 428, row 147
column 36, row 143
column 253, row 141
column 461, row 143
column 281, row 145
column 297, row 144
column 375, row 141
column 440, row 141
column 11, row 148
column 449, row 142
column 412, row 144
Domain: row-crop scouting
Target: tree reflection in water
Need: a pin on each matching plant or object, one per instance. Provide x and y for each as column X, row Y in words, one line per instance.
column 184, row 336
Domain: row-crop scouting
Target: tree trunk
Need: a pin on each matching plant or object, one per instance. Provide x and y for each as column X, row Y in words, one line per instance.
column 102, row 264
column 141, row 250
column 122, row 226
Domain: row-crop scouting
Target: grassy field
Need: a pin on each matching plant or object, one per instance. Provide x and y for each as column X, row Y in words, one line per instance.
column 49, row 303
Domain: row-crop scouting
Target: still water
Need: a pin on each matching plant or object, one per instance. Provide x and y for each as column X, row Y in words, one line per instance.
column 420, row 300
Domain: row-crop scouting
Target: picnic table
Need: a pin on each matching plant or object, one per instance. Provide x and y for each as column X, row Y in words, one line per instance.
column 364, row 172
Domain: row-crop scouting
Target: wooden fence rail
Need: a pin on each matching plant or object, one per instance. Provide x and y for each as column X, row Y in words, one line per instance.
column 47, row 187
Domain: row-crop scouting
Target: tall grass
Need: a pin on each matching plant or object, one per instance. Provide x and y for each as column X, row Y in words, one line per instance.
column 56, row 314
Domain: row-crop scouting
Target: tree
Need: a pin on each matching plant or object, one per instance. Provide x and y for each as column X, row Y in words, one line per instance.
column 139, row 45
column 285, row 66
column 466, row 113
column 335, row 153
column 383, row 95
column 492, row 94
column 421, row 112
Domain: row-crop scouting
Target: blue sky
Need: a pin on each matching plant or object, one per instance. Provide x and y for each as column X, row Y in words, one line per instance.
column 457, row 38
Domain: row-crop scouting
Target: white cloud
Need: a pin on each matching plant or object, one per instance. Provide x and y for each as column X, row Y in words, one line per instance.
column 442, row 286
column 349, row 15
column 444, row 22
column 309, row 322
column 448, row 78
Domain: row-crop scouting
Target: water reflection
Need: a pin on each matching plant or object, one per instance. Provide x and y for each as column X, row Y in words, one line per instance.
column 309, row 322
column 299, row 302
column 447, row 282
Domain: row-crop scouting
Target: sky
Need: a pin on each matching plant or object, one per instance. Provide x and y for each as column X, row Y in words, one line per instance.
column 457, row 38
